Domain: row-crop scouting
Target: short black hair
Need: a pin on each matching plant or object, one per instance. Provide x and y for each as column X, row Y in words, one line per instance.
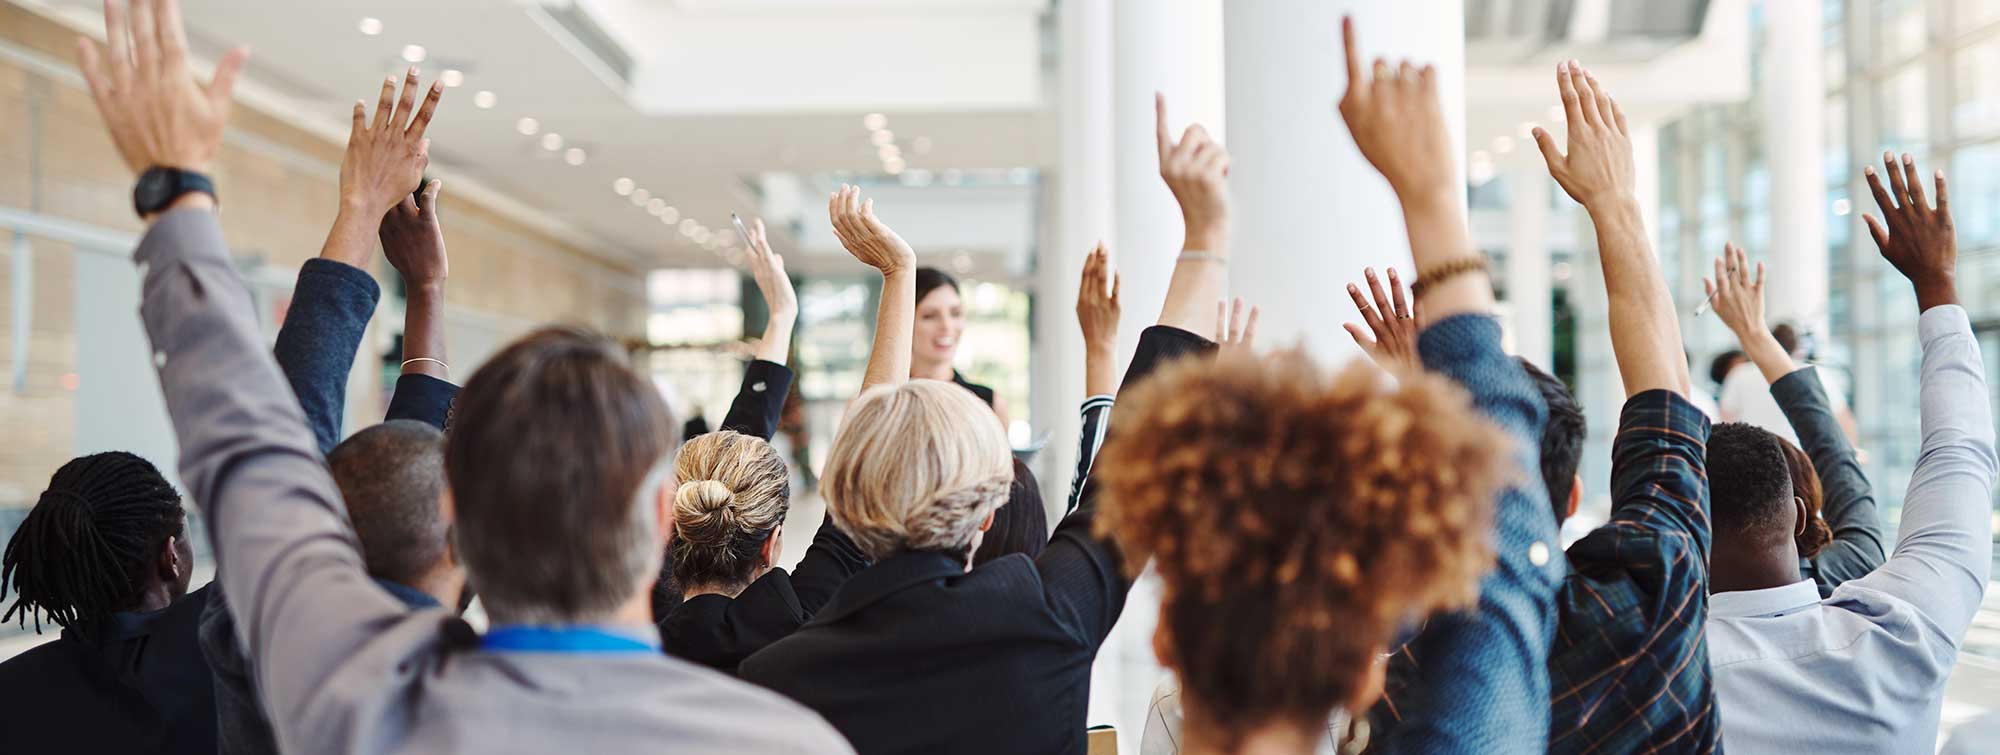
column 930, row 279
column 1021, row 525
column 87, row 546
column 1787, row 337
column 391, row 476
column 1750, row 486
column 1562, row 437
column 1719, row 367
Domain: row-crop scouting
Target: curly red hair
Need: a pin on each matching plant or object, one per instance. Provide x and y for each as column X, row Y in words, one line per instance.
column 1298, row 519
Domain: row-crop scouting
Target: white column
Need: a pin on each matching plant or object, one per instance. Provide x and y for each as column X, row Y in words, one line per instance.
column 1794, row 103
column 1529, row 307
column 1310, row 212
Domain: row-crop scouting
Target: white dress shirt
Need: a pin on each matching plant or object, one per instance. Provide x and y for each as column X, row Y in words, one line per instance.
column 1864, row 671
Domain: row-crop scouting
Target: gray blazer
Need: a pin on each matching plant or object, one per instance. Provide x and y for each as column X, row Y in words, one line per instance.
column 342, row 666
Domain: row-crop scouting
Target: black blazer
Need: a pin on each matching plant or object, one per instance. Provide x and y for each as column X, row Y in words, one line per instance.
column 719, row 631
column 139, row 684
column 917, row 655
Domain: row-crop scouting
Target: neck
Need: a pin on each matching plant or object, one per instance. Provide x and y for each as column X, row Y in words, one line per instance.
column 1736, row 567
column 1270, row 739
column 635, row 613
column 928, row 370
column 157, row 596
column 443, row 583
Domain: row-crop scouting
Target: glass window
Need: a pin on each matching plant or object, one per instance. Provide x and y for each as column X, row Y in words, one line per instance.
column 1834, row 135
column 1975, row 182
column 1975, row 100
column 1834, row 42
column 1899, row 30
column 1970, row 15
column 1901, row 112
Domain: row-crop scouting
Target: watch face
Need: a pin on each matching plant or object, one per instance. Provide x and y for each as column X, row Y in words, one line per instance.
column 152, row 186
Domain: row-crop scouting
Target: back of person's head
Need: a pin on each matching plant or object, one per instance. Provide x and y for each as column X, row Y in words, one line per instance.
column 1317, row 513
column 1805, row 487
column 1562, row 438
column 917, row 466
column 1750, row 486
column 108, row 530
column 1787, row 338
column 392, row 477
column 732, row 492
column 555, row 457
column 1021, row 525
column 1719, row 367
column 930, row 279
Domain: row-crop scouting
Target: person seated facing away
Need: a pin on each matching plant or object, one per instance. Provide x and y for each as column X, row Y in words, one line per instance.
column 555, row 465
column 105, row 554
column 1840, row 534
column 1864, row 669
column 1021, row 525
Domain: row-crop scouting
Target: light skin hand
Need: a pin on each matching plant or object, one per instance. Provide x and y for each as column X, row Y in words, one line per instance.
column 1397, row 123
column 156, row 112
column 768, row 268
column 1097, row 311
column 1388, row 333
column 875, row 245
column 1739, row 302
column 1196, row 170
column 384, row 162
column 1598, row 172
column 1235, row 332
column 1916, row 238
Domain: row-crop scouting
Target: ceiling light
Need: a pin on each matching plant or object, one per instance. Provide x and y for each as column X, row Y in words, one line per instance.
column 883, row 136
column 688, row 225
column 1842, row 207
column 875, row 121
column 921, row 144
column 639, row 197
column 893, row 165
column 413, row 53
column 485, row 100
column 1503, row 144
column 669, row 221
column 552, row 141
column 527, row 126
column 574, row 156
column 702, row 235
column 371, row 26
column 889, row 152
column 657, row 207
column 670, row 215
column 623, row 186
column 452, row 77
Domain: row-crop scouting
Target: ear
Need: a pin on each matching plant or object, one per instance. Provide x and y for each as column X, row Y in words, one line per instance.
column 167, row 566
column 1575, row 496
column 447, row 507
column 1804, row 517
column 988, row 524
column 1163, row 648
column 663, row 509
column 772, row 547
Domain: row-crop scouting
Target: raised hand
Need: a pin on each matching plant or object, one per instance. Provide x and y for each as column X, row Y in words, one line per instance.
column 864, row 236
column 768, row 269
column 1398, row 124
column 386, row 156
column 1195, row 168
column 413, row 241
column 1388, row 333
column 157, row 114
column 1918, row 239
column 1737, row 295
column 1598, row 169
column 1097, row 311
column 1236, row 333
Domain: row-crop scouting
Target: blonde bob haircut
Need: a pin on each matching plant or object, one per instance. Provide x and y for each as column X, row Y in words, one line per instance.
column 917, row 467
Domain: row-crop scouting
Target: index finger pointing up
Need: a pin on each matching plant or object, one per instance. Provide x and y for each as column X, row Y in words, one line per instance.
column 1347, row 43
column 1160, row 135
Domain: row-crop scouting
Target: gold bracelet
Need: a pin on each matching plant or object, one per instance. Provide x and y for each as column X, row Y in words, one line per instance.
column 1441, row 273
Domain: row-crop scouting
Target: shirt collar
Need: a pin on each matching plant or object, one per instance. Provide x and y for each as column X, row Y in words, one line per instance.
column 410, row 596
column 1770, row 601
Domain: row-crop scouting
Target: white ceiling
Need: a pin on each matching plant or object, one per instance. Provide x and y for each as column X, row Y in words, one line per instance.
column 721, row 92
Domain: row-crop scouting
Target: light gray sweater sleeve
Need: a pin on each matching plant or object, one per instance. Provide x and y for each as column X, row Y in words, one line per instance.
column 285, row 552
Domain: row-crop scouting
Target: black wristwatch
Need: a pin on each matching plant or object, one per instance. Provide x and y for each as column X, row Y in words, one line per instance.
column 158, row 187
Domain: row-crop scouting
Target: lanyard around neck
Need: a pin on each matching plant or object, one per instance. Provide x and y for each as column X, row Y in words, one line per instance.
column 533, row 639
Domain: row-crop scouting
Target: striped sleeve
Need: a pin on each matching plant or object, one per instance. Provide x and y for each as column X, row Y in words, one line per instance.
column 1096, row 421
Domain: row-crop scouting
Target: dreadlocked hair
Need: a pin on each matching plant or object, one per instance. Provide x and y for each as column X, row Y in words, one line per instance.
column 83, row 552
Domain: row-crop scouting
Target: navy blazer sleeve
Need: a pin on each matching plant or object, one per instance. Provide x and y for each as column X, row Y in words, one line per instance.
column 422, row 398
column 761, row 400
column 329, row 314
column 1082, row 574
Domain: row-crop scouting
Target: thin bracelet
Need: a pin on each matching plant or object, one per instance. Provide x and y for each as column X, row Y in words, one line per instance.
column 440, row 363
column 1196, row 255
column 1447, row 271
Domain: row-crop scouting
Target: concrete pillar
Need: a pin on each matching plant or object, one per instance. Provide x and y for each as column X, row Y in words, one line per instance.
column 1793, row 103
column 1529, row 306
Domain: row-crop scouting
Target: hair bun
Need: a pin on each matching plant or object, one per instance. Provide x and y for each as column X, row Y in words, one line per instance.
column 702, row 512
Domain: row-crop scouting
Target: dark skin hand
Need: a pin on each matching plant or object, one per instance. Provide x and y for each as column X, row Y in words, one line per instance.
column 1916, row 238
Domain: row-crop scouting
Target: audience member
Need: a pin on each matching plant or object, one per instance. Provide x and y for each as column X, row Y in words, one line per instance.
column 106, row 555
column 555, row 461
column 1098, row 308
column 1838, row 532
column 1864, row 669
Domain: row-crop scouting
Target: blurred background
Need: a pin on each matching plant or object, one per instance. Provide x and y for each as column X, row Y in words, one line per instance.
column 592, row 152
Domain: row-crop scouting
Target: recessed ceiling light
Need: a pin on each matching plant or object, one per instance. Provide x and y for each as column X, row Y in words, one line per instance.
column 882, row 137
column 413, row 53
column 893, row 166
column 371, row 26
column 657, row 207
column 888, row 152
column 452, row 77
column 668, row 220
column 485, row 100
column 688, row 225
column 623, row 186
column 527, row 126
column 639, row 197
column 921, row 144
column 875, row 121
column 552, row 141
column 670, row 216
column 574, row 156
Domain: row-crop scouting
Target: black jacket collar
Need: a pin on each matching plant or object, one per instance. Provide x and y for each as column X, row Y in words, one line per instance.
column 887, row 577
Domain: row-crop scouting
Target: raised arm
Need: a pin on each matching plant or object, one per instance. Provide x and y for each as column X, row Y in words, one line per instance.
column 1598, row 173
column 1196, row 169
column 1097, row 311
column 876, row 246
column 1484, row 685
column 414, row 243
column 1738, row 297
column 303, row 603
column 760, row 402
column 1943, row 553
column 1389, row 325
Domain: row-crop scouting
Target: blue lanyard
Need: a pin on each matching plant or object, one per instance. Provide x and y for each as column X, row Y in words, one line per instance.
column 532, row 639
